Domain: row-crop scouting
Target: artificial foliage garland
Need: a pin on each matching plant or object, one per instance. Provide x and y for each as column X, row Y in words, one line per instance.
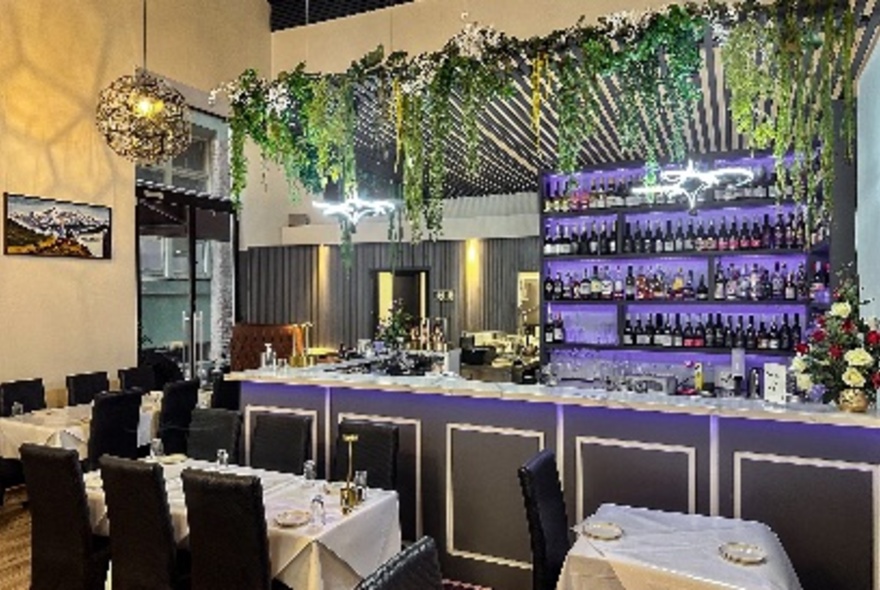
column 306, row 122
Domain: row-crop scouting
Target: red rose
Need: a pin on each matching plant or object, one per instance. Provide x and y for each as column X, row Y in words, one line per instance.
column 801, row 348
column 848, row 326
column 820, row 321
column 873, row 338
column 818, row 336
column 875, row 380
column 835, row 352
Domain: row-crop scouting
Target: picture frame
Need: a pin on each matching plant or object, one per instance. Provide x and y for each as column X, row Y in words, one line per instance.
column 46, row 227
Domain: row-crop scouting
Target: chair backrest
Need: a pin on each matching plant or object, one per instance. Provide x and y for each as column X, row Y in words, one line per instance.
column 375, row 451
column 211, row 430
column 82, row 388
column 415, row 568
column 281, row 442
column 178, row 401
column 28, row 392
column 227, row 531
column 61, row 537
column 227, row 394
column 137, row 378
column 249, row 340
column 141, row 535
column 547, row 520
column 114, row 426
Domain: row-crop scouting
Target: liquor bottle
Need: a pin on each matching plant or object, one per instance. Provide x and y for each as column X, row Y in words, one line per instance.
column 639, row 331
column 558, row 330
column 564, row 245
column 720, row 282
column 791, row 292
column 612, row 238
column 819, row 283
column 800, row 231
column 779, row 233
column 630, row 287
column 699, row 241
column 711, row 241
column 757, row 236
column 647, row 239
column 702, row 289
column 658, row 239
column 619, row 289
column 584, row 243
column 785, row 342
column 720, row 332
column 650, row 331
column 739, row 336
column 678, row 240
column 709, row 333
column 607, row 285
column 768, row 234
column 745, row 238
column 548, row 289
column 743, row 290
column 751, row 335
column 637, row 244
column 733, row 237
column 659, row 332
column 669, row 238
column 689, row 237
column 658, row 290
column 732, row 284
column 723, row 238
column 594, row 240
column 549, row 244
column 575, row 245
column 801, row 282
column 603, row 239
column 773, row 336
column 557, row 287
column 699, row 340
column 791, row 232
column 756, row 286
column 628, row 335
column 641, row 285
column 585, row 286
column 729, row 334
column 688, row 292
column 595, row 285
column 677, row 291
column 627, row 239
column 677, row 334
column 796, row 333
column 777, row 284
column 549, row 331
column 688, row 335
column 763, row 336
column 567, row 287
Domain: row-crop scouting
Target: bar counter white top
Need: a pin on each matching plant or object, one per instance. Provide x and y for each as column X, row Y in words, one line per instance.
column 455, row 385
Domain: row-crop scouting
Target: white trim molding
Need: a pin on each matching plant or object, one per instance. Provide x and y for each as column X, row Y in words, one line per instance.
column 248, row 410
column 417, row 424
column 687, row 451
column 450, row 505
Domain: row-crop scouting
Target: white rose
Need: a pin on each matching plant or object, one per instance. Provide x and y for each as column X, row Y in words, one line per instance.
column 859, row 357
column 804, row 382
column 841, row 309
column 799, row 364
column 853, row 378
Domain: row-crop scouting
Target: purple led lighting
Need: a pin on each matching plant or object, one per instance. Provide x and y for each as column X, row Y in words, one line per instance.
column 716, row 215
column 699, row 266
column 757, row 309
column 791, row 259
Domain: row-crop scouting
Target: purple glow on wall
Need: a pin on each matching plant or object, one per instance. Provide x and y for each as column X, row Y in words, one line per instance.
column 671, row 264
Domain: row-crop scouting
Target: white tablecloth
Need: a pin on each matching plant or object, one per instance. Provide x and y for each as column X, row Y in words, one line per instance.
column 66, row 428
column 335, row 556
column 669, row 550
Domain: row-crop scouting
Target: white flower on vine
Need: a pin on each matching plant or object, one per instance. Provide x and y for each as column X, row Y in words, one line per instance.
column 473, row 40
column 231, row 89
column 279, row 100
column 425, row 69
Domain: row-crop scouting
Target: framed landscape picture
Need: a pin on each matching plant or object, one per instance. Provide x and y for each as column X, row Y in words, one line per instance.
column 36, row 226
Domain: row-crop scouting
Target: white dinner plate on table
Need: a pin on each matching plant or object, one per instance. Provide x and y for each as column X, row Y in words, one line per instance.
column 743, row 553
column 603, row 531
column 292, row 518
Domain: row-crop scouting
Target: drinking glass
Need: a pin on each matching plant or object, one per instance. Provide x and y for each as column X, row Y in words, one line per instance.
column 222, row 458
column 360, row 484
column 156, row 448
column 309, row 470
column 17, row 409
column 318, row 514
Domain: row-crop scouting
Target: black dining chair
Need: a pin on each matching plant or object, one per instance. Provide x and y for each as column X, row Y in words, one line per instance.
column 547, row 520
column 141, row 379
column 83, row 387
column 142, row 545
column 179, row 399
column 114, row 426
column 30, row 393
column 64, row 552
column 226, row 394
column 417, row 567
column 281, row 442
column 374, row 452
column 227, row 532
column 211, row 430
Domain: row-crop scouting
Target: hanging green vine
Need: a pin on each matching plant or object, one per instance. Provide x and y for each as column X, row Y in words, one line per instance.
column 331, row 127
column 748, row 73
column 413, row 149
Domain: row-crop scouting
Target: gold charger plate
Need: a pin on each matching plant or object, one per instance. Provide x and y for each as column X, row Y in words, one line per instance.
column 603, row 531
column 743, row 553
column 292, row 518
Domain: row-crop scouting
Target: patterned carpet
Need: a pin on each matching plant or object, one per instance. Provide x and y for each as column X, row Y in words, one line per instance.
column 15, row 543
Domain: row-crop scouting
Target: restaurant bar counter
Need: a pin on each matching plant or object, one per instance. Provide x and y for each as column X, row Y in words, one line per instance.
column 808, row 471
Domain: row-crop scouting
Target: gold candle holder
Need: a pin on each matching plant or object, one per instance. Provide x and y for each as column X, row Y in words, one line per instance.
column 347, row 495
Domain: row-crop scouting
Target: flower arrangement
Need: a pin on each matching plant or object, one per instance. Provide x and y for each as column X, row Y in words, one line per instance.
column 395, row 328
column 839, row 361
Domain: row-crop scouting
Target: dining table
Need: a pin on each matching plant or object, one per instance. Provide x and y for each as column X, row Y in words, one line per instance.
column 626, row 548
column 67, row 428
column 330, row 553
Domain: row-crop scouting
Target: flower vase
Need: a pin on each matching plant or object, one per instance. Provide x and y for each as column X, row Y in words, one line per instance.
column 853, row 400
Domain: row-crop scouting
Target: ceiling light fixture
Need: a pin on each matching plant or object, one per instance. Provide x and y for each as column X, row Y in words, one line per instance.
column 691, row 183
column 354, row 208
column 143, row 118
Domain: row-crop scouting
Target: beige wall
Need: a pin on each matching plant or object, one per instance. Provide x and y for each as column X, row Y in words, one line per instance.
column 424, row 25
column 64, row 316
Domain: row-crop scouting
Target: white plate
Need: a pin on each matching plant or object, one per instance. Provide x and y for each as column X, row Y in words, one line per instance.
column 603, row 531
column 292, row 518
column 743, row 553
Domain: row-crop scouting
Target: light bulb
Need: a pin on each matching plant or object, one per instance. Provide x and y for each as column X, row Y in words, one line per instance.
column 148, row 106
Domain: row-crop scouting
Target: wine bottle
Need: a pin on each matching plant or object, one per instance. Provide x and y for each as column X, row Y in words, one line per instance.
column 548, row 288
column 669, row 238
column 689, row 237
column 699, row 333
column 751, row 335
column 559, row 330
column 567, row 287
column 688, row 336
column 619, row 289
column 594, row 240
column 548, row 241
column 711, row 241
column 723, row 238
column 689, row 293
column 777, row 284
column 773, row 336
column 549, row 331
column 739, row 336
column 595, row 285
column 630, row 287
column 603, row 239
column 658, row 239
column 763, row 336
column 627, row 239
column 585, row 286
column 628, row 336
column 637, row 241
column 612, row 238
column 720, row 283
column 785, row 342
column 557, row 287
column 678, row 240
column 607, row 285
column 677, row 334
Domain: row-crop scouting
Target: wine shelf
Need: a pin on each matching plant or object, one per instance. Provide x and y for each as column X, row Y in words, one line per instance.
column 694, row 349
column 685, row 302
column 680, row 255
column 744, row 203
